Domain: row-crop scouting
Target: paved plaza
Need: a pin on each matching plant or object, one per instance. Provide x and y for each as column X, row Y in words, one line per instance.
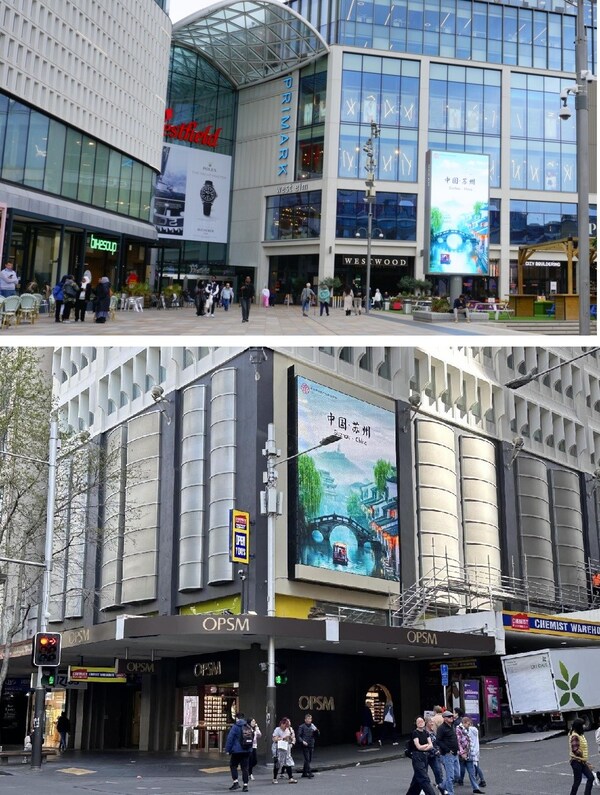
column 278, row 321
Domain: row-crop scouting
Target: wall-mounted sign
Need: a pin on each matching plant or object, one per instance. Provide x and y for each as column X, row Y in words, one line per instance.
column 377, row 261
column 133, row 667
column 188, row 131
column 550, row 625
column 102, row 244
column 211, row 668
column 78, row 673
column 294, row 187
column 316, row 703
column 286, row 99
column 239, row 534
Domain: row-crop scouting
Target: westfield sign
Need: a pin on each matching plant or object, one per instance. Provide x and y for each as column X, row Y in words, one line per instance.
column 188, row 131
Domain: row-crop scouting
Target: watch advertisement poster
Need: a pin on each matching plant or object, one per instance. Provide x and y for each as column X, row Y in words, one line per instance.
column 192, row 195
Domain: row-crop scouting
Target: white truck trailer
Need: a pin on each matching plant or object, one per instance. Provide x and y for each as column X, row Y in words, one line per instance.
column 548, row 688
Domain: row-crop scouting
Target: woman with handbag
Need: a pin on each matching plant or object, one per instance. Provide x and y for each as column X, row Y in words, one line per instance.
column 284, row 740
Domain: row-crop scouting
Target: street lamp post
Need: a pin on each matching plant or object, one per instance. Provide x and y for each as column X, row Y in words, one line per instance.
column 370, row 196
column 272, row 505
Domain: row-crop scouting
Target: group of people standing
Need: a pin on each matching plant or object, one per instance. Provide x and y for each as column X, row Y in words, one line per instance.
column 448, row 743
column 242, row 743
column 74, row 295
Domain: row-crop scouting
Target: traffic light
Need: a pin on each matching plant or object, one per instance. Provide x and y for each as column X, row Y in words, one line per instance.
column 46, row 649
column 48, row 677
column 281, row 676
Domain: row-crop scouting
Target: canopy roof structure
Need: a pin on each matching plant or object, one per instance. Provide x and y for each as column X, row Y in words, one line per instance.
column 250, row 41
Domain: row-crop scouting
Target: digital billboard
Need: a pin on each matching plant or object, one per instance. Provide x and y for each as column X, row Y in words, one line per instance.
column 457, row 206
column 191, row 200
column 346, row 492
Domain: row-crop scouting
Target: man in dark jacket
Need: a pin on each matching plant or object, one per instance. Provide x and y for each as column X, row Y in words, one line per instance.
column 239, row 755
column 246, row 296
column 448, row 744
column 306, row 738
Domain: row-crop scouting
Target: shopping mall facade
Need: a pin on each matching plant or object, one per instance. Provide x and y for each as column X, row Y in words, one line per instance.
column 427, row 500
column 251, row 142
column 81, row 116
column 460, row 77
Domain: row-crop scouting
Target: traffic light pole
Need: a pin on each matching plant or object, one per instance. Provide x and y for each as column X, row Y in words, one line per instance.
column 39, row 709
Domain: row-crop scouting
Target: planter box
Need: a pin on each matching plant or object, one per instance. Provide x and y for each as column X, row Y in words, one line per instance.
column 448, row 317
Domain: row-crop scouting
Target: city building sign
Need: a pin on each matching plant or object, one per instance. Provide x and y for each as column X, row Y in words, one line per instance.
column 361, row 260
column 125, row 667
column 225, row 624
column 550, row 625
column 188, row 131
column 102, row 244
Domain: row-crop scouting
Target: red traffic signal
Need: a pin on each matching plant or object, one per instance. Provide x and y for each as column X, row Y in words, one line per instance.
column 46, row 649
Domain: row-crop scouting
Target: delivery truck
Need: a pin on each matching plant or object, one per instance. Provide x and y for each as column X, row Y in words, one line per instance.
column 546, row 689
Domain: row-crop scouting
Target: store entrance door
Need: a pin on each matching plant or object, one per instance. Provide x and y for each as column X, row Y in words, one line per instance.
column 207, row 713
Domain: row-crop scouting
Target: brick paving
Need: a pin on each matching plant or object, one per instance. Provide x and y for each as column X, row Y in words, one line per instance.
column 278, row 321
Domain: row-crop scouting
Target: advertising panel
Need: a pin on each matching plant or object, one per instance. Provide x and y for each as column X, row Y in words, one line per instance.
column 457, row 206
column 491, row 689
column 471, row 699
column 239, row 535
column 347, row 492
column 191, row 200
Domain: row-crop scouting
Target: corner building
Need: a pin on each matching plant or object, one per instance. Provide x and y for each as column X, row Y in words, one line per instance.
column 411, row 542
column 81, row 112
column 459, row 77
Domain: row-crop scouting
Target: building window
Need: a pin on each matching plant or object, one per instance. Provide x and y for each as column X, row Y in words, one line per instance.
column 293, row 216
column 312, row 104
column 542, row 222
column 384, row 91
column 394, row 215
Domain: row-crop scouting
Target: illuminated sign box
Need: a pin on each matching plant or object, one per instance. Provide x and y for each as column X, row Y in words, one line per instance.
column 457, row 210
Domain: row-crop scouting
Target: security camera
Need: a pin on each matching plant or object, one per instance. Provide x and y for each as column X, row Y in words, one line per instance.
column 415, row 401
column 518, row 442
column 564, row 113
column 157, row 393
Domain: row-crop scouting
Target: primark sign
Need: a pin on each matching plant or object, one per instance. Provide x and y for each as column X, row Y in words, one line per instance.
column 377, row 261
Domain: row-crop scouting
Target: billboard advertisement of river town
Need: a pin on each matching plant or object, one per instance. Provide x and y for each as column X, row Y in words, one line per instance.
column 347, row 492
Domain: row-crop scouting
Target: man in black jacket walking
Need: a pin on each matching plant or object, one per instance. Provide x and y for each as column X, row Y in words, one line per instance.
column 448, row 744
column 306, row 737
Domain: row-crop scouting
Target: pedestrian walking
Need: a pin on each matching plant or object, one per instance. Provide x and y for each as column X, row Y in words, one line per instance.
column 419, row 757
column 226, row 296
column 70, row 294
column 212, row 294
column 63, row 727
column 246, row 296
column 84, row 295
column 324, row 299
column 474, row 751
column 348, row 299
column 9, row 281
column 239, row 746
column 448, row 745
column 306, row 298
column 102, row 299
column 578, row 758
column 253, row 761
column 265, row 296
column 437, row 716
column 389, row 723
column 366, row 725
column 306, row 735
column 284, row 740
column 465, row 755
column 433, row 758
column 59, row 298
column 378, row 299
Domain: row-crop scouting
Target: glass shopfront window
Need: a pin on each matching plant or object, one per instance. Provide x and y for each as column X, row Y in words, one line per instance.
column 293, row 216
column 42, row 153
column 385, row 91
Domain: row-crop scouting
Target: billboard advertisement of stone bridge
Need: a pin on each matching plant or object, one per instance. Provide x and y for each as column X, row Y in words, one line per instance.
column 347, row 492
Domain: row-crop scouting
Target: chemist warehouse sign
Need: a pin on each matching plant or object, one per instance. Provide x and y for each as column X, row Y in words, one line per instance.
column 550, row 625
